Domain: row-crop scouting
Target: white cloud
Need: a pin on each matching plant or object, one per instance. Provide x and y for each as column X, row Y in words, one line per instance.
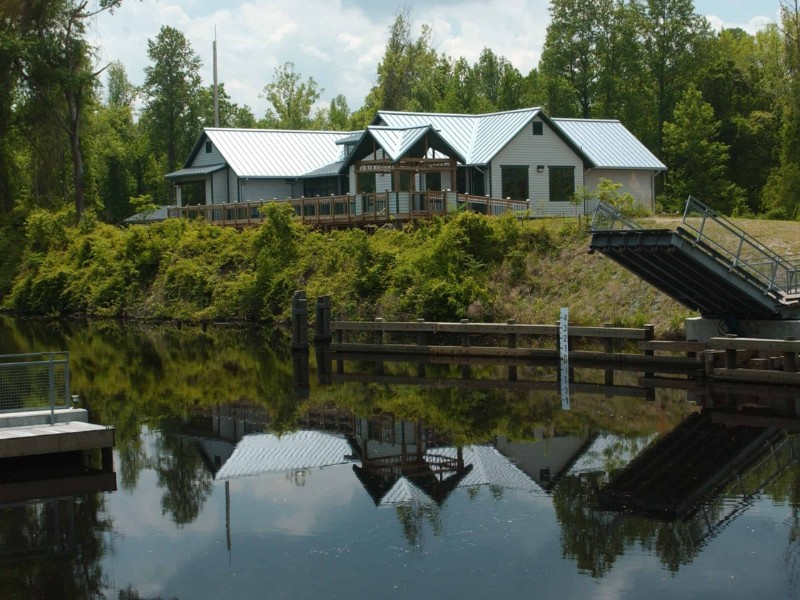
column 752, row 26
column 337, row 43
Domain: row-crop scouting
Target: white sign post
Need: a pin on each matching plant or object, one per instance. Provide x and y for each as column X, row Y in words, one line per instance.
column 563, row 353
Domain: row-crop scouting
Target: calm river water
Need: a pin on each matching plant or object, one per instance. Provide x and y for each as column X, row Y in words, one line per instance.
column 233, row 482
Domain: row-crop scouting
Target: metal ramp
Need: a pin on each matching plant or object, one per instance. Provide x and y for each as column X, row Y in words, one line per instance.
column 708, row 264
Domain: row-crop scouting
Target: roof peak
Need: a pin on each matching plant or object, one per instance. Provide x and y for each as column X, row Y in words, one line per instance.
column 464, row 115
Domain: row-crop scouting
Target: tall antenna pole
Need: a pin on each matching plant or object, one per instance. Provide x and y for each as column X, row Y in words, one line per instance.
column 216, row 93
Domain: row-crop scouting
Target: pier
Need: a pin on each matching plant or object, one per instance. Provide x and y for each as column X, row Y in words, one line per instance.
column 42, row 432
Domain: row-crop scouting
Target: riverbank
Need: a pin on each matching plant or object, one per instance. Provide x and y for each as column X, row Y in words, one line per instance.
column 465, row 266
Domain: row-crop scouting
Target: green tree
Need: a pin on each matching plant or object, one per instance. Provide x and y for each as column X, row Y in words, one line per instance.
column 673, row 38
column 292, row 100
column 695, row 157
column 171, row 89
column 782, row 193
column 230, row 113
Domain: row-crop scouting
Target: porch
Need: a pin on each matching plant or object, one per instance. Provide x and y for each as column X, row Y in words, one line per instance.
column 373, row 208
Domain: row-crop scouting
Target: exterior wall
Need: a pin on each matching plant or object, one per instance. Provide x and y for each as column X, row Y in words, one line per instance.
column 638, row 184
column 212, row 158
column 253, row 190
column 217, row 188
column 527, row 149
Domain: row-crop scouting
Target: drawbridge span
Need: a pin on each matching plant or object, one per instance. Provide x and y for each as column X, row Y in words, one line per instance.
column 708, row 264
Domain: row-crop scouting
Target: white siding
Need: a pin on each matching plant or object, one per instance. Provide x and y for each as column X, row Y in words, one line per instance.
column 383, row 182
column 253, row 190
column 232, row 180
column 352, row 180
column 638, row 184
column 216, row 188
column 532, row 150
column 204, row 159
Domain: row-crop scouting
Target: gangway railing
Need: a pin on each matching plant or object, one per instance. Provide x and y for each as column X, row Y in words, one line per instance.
column 34, row 381
column 608, row 218
column 741, row 252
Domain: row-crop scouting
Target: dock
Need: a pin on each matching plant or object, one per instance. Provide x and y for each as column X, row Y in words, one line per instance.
column 45, row 440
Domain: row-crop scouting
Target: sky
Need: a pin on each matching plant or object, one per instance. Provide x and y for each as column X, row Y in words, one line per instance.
column 340, row 42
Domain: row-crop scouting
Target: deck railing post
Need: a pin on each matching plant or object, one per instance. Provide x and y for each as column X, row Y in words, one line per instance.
column 790, row 358
column 51, row 381
column 512, row 343
column 649, row 334
column 465, row 370
column 299, row 321
column 421, row 341
column 608, row 348
column 378, row 340
column 731, row 354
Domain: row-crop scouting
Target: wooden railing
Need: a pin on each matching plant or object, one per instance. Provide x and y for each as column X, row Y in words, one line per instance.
column 363, row 208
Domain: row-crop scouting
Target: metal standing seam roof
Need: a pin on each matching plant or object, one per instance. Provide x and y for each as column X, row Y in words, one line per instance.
column 476, row 137
column 404, row 492
column 187, row 171
column 267, row 453
column 277, row 153
column 609, row 144
column 490, row 467
column 396, row 141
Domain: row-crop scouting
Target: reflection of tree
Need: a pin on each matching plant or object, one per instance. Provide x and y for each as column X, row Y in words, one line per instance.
column 53, row 549
column 181, row 473
column 413, row 518
column 131, row 594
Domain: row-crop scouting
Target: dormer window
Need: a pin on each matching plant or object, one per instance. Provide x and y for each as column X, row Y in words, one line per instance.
column 208, row 146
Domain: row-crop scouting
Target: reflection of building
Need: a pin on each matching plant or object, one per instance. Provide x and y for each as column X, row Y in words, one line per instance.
column 548, row 458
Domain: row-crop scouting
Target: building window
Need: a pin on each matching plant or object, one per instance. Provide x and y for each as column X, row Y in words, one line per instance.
column 538, row 128
column 433, row 182
column 193, row 193
column 208, row 146
column 320, row 186
column 562, row 183
column 515, row 182
column 404, row 183
column 366, row 182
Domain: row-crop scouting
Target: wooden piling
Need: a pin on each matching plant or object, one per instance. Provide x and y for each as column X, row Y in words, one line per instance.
column 421, row 341
column 790, row 358
column 299, row 321
column 512, row 343
column 608, row 348
column 649, row 334
column 466, row 372
column 377, row 338
column 731, row 361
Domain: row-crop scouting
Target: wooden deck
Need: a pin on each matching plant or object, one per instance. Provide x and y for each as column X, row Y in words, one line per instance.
column 52, row 439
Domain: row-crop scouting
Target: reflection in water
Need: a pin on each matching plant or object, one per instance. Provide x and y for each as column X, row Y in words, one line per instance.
column 194, row 409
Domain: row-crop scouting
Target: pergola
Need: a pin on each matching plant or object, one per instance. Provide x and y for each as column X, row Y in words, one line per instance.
column 414, row 150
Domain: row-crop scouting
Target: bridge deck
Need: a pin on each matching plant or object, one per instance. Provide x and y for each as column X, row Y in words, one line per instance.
column 689, row 273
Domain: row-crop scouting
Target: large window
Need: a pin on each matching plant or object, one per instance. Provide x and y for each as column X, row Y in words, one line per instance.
column 193, row 193
column 562, row 183
column 320, row 186
column 433, row 181
column 366, row 182
column 404, row 181
column 515, row 182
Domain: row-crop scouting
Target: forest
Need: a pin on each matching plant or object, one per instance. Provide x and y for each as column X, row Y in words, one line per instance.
column 78, row 141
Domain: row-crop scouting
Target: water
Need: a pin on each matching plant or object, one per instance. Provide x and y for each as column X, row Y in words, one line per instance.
column 195, row 515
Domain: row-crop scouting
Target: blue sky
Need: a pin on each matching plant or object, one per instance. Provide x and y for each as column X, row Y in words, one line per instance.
column 340, row 42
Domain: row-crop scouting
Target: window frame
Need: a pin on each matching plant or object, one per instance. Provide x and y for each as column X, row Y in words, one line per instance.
column 505, row 183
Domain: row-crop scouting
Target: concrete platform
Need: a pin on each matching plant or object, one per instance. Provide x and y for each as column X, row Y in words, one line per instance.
column 51, row 439
column 42, row 417
column 703, row 329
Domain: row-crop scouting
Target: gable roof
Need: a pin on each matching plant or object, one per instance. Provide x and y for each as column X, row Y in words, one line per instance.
column 273, row 152
column 609, row 144
column 478, row 138
column 397, row 142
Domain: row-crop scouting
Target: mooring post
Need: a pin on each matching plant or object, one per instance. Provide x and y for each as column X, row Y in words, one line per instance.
column 465, row 370
column 299, row 321
column 731, row 354
column 790, row 358
column 649, row 334
column 323, row 338
column 421, row 341
column 608, row 348
column 512, row 343
column 378, row 340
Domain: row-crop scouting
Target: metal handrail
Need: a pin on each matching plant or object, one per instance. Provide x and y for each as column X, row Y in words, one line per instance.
column 747, row 255
column 33, row 381
column 608, row 218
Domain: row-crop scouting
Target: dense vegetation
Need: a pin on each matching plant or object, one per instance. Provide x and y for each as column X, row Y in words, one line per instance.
column 81, row 148
column 462, row 266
